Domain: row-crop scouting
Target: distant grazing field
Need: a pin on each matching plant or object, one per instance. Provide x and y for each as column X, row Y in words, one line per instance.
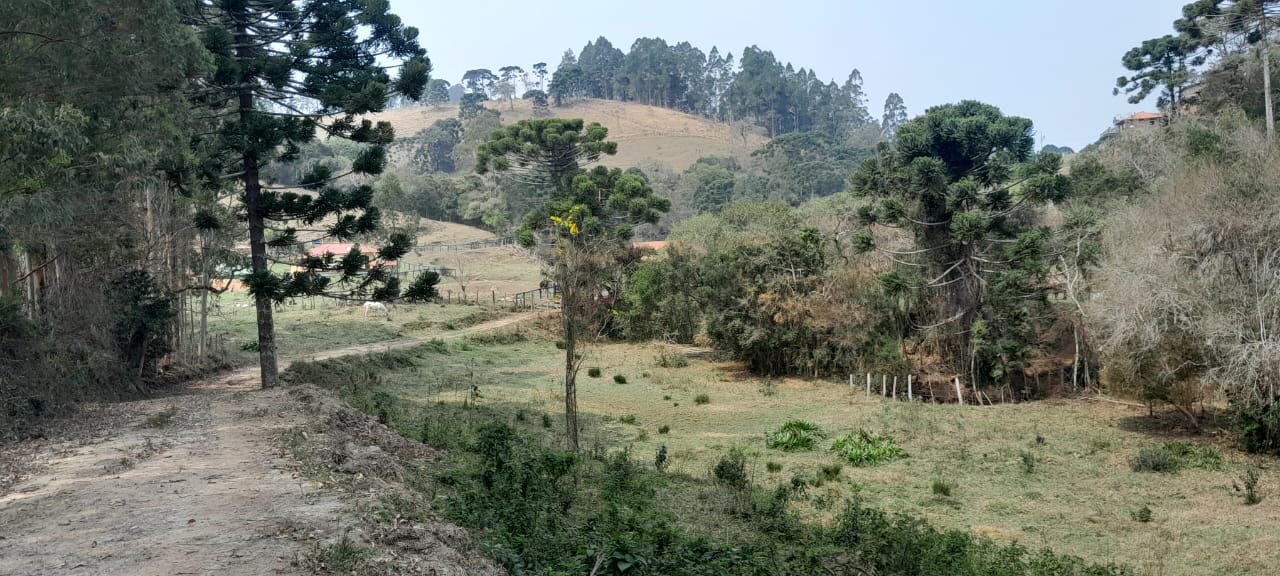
column 645, row 134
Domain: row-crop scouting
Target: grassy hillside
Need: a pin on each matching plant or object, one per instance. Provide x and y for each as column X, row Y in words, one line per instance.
column 645, row 134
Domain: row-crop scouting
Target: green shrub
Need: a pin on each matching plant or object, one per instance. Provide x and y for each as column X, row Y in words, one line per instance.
column 1248, row 487
column 664, row 429
column 249, row 346
column 732, row 469
column 701, row 399
column 795, row 435
column 1028, row 462
column 666, row 396
column 942, row 488
column 161, row 419
column 1258, row 428
column 546, row 420
column 1154, row 459
column 864, row 448
column 619, row 379
column 830, row 472
column 773, row 467
column 560, row 345
column 672, row 360
column 768, row 387
column 593, row 372
column 1142, row 514
column 1192, row 455
column 628, row 419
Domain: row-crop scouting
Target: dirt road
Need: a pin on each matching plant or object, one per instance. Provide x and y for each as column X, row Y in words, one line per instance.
column 206, row 491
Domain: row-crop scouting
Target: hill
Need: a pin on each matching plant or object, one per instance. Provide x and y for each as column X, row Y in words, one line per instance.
column 645, row 134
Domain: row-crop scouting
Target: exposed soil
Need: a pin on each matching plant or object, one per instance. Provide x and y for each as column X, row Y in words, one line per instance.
column 208, row 490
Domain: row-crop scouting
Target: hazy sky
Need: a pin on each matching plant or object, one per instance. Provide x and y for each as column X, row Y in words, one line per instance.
column 1054, row 62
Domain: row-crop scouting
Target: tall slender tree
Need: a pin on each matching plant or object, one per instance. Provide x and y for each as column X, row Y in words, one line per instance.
column 285, row 70
column 585, row 219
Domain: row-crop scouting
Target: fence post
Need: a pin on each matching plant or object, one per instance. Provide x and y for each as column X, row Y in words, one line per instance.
column 884, row 381
column 909, row 396
column 895, row 387
column 850, row 381
column 959, row 393
column 494, row 293
column 868, row 383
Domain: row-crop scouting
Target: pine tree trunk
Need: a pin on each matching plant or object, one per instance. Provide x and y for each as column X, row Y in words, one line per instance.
column 1266, row 88
column 257, row 228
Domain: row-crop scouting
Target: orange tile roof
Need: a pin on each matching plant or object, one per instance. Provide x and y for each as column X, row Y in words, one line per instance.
column 1145, row 116
column 654, row 245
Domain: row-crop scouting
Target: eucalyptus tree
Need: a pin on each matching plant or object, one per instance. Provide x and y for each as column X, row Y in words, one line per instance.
column 583, row 223
column 285, row 70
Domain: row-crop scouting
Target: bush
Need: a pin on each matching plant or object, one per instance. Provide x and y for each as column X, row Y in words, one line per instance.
column 701, row 399
column 942, row 488
column 1142, row 514
column 1192, row 455
column 768, row 387
column 1028, row 462
column 628, row 419
column 795, row 435
column 1248, row 487
column 732, row 469
column 546, row 421
column 619, row 379
column 1153, row 460
column 830, row 472
column 1258, row 428
column 560, row 345
column 593, row 372
column 863, row 448
column 664, row 429
column 672, row 360
column 773, row 467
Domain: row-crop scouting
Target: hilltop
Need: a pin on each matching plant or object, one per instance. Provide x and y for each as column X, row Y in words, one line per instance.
column 645, row 134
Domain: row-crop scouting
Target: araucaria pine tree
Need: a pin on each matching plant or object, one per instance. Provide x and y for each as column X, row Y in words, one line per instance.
column 963, row 180
column 583, row 224
column 285, row 72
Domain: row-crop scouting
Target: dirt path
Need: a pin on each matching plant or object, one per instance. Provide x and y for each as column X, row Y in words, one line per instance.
column 207, row 492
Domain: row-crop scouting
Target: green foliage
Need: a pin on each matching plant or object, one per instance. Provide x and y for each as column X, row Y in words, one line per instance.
column 142, row 316
column 1142, row 514
column 162, row 418
column 594, row 372
column 830, row 472
column 1192, row 455
column 1153, row 459
column 962, row 179
column 672, row 360
column 619, row 379
column 628, row 419
column 664, row 429
column 731, row 469
column 1248, row 487
column 1159, row 63
column 1258, row 428
column 701, row 399
column 795, row 435
column 864, row 448
column 773, row 467
column 538, row 510
column 1028, row 461
column 942, row 488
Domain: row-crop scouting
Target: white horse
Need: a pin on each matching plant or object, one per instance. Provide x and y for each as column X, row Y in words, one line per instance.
column 378, row 307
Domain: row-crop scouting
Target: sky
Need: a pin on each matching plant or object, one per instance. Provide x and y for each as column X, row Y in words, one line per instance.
column 1054, row 62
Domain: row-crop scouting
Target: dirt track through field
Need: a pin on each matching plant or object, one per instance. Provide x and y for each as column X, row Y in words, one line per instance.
column 209, row 492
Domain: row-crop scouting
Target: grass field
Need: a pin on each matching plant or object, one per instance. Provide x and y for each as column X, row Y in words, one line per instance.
column 1053, row 474
column 645, row 134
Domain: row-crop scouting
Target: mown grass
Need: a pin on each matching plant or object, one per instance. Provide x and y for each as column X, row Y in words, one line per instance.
column 1077, row 500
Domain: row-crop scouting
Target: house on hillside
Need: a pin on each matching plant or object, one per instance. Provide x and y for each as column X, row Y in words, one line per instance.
column 1139, row 121
column 652, row 245
column 338, row 250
